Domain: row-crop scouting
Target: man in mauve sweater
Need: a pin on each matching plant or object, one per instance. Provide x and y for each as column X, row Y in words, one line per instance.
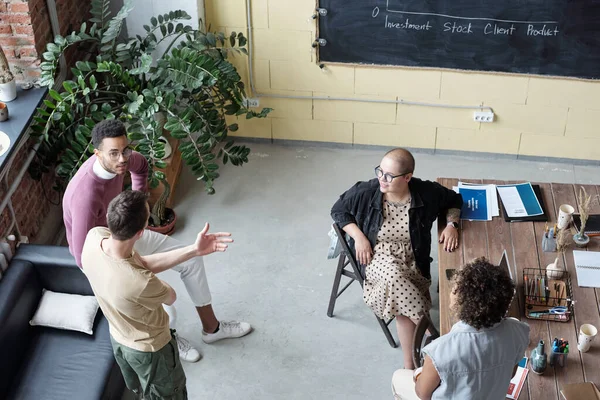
column 86, row 199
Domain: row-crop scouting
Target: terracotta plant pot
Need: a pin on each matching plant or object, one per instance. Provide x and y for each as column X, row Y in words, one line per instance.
column 169, row 227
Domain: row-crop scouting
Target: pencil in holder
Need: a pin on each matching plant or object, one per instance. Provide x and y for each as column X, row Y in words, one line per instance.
column 549, row 241
column 547, row 299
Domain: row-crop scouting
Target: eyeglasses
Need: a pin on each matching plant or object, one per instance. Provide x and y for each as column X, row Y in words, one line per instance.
column 114, row 155
column 387, row 177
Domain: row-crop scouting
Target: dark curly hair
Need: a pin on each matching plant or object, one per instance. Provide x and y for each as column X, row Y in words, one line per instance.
column 108, row 128
column 483, row 293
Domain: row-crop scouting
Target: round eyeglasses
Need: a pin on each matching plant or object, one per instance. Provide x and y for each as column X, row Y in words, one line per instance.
column 114, row 155
column 387, row 177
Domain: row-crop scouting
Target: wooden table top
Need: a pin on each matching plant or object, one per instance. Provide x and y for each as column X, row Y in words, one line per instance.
column 522, row 242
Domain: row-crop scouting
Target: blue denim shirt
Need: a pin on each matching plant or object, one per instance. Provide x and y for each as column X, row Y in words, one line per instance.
column 478, row 364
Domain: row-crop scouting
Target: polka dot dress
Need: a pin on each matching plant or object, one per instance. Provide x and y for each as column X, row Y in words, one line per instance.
column 393, row 285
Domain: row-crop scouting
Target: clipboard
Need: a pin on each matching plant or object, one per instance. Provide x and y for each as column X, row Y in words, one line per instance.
column 543, row 217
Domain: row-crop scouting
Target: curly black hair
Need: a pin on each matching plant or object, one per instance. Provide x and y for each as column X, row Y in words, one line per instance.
column 108, row 128
column 483, row 293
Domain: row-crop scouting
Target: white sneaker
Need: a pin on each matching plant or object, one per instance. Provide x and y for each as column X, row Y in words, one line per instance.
column 227, row 330
column 186, row 351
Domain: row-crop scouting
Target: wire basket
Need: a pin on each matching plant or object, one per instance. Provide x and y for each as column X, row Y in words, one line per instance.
column 547, row 299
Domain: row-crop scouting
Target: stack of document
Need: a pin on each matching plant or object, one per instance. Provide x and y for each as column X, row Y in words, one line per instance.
column 480, row 202
column 520, row 200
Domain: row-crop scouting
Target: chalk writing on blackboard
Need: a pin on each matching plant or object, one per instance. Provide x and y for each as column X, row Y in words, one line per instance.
column 398, row 18
column 542, row 37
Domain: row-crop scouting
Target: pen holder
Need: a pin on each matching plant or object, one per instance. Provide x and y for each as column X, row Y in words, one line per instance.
column 558, row 359
column 549, row 243
column 547, row 299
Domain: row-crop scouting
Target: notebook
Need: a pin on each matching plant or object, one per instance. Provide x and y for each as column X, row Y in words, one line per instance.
column 580, row 391
column 592, row 226
column 587, row 266
column 517, row 381
column 542, row 217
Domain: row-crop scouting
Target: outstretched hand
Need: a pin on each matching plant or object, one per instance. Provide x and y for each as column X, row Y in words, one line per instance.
column 208, row 243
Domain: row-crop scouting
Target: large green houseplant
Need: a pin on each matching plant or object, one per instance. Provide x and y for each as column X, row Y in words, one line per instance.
column 191, row 83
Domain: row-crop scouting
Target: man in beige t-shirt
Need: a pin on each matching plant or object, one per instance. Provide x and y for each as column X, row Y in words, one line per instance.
column 131, row 296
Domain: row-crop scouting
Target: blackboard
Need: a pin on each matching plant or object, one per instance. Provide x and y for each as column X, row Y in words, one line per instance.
column 543, row 37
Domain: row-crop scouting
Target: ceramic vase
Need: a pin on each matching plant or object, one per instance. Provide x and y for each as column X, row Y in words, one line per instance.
column 539, row 358
column 8, row 91
column 581, row 240
column 555, row 270
column 168, row 148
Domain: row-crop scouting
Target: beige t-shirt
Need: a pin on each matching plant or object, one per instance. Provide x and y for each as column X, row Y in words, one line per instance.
column 129, row 295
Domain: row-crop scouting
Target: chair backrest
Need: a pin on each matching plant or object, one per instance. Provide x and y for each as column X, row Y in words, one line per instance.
column 421, row 338
column 347, row 251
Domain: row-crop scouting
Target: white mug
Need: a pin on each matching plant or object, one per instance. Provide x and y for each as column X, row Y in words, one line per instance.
column 587, row 333
column 565, row 215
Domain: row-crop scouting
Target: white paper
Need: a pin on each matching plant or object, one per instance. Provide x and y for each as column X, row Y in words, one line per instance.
column 512, row 201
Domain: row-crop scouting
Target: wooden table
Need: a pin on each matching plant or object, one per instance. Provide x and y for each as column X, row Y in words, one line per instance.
column 522, row 241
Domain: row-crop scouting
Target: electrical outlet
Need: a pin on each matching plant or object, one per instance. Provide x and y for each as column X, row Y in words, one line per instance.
column 23, row 240
column 252, row 103
column 483, row 116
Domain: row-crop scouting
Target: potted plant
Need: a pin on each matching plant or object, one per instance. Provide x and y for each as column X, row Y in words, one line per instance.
column 8, row 86
column 192, row 83
column 162, row 218
column 583, row 201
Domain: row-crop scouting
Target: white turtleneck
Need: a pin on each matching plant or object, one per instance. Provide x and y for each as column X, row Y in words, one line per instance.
column 101, row 172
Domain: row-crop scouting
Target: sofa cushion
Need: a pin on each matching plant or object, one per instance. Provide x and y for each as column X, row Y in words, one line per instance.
column 66, row 364
column 66, row 311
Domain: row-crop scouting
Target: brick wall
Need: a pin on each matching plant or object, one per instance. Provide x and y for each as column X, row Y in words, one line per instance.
column 24, row 32
column 30, row 201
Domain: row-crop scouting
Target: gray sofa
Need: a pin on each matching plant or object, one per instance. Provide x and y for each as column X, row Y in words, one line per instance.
column 46, row 363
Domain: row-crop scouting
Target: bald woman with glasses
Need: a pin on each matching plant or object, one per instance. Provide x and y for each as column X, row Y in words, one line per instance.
column 389, row 220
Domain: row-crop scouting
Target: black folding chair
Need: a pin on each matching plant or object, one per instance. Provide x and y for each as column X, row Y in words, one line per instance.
column 422, row 338
column 355, row 273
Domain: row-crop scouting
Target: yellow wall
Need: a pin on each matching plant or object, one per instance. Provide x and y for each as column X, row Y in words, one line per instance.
column 534, row 116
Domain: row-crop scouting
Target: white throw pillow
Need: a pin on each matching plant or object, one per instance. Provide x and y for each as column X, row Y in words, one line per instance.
column 66, row 311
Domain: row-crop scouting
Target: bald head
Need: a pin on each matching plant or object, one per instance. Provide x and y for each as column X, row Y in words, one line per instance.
column 403, row 157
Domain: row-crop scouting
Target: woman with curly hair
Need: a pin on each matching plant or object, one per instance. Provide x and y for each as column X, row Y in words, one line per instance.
column 479, row 356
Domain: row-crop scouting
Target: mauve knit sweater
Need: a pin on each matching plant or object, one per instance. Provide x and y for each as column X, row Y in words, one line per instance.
column 87, row 196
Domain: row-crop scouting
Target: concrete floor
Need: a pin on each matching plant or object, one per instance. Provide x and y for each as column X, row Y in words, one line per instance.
column 276, row 275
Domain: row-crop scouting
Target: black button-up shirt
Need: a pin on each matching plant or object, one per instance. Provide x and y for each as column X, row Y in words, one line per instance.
column 362, row 204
